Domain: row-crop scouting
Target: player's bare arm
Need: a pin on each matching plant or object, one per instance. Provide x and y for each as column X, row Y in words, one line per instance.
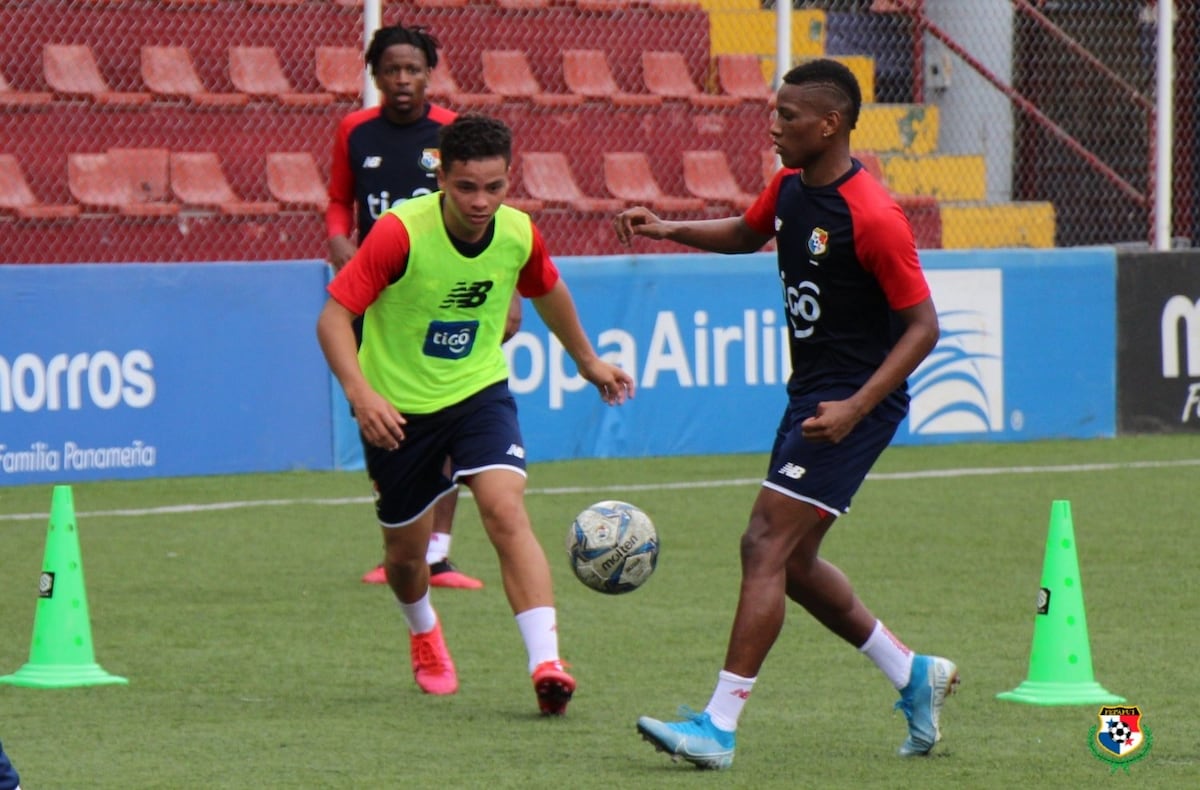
column 557, row 310
column 725, row 235
column 380, row 423
column 834, row 420
column 341, row 250
column 512, row 322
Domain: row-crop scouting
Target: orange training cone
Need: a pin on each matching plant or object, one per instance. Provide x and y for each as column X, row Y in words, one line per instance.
column 61, row 652
column 1060, row 663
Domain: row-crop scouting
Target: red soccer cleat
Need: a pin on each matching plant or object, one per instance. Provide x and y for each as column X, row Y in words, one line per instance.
column 431, row 662
column 376, row 575
column 444, row 574
column 554, row 687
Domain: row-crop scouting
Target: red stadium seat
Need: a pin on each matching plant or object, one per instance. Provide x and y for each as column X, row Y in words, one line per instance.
column 341, row 71
column 627, row 175
column 17, row 198
column 258, row 72
column 587, row 73
column 14, row 98
column 707, row 174
column 741, row 76
column 132, row 181
column 666, row 74
column 507, row 73
column 548, row 177
column 71, row 70
column 197, row 179
column 168, row 72
column 443, row 87
column 293, row 179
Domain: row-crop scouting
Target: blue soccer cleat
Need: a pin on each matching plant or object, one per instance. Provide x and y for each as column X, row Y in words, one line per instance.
column 932, row 680
column 696, row 740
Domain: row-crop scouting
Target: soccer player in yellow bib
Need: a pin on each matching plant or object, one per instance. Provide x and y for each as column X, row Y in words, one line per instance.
column 433, row 281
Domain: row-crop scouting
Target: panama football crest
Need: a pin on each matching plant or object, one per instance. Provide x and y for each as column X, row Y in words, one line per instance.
column 430, row 159
column 1120, row 739
column 818, row 242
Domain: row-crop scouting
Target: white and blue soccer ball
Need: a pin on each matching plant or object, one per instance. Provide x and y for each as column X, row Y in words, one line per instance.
column 612, row 547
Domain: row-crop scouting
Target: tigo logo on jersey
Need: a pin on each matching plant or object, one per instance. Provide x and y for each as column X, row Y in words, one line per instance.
column 1120, row 738
column 450, row 339
column 959, row 388
column 430, row 159
column 818, row 242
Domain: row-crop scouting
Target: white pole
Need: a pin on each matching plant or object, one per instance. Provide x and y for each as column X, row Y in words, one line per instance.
column 1164, row 126
column 372, row 16
column 783, row 39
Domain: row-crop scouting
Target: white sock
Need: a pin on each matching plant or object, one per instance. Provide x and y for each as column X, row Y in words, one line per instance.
column 539, row 629
column 728, row 699
column 439, row 547
column 891, row 655
column 420, row 615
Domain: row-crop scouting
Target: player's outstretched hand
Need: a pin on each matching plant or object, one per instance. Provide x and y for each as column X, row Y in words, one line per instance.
column 639, row 221
column 614, row 384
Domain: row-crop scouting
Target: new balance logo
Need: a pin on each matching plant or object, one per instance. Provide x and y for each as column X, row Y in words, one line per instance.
column 792, row 470
column 516, row 451
column 373, row 162
column 466, row 294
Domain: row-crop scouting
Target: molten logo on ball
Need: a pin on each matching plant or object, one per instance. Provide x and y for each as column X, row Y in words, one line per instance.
column 612, row 547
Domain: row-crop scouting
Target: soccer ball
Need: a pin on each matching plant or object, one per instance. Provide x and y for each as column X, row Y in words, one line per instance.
column 612, row 547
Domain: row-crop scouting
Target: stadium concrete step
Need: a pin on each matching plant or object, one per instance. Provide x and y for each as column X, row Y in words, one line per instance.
column 947, row 177
column 898, row 128
column 997, row 225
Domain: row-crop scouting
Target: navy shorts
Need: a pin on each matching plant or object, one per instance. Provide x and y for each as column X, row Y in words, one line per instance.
column 821, row 473
column 478, row 433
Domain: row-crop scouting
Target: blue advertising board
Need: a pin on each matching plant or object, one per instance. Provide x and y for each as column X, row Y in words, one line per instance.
column 151, row 370
column 155, row 370
column 1027, row 352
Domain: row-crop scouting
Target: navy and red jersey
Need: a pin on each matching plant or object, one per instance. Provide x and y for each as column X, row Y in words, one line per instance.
column 377, row 163
column 847, row 261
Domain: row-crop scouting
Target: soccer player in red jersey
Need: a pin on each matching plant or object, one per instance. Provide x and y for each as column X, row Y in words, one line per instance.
column 434, row 281
column 382, row 156
column 860, row 320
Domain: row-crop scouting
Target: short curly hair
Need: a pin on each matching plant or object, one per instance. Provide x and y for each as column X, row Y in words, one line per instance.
column 474, row 136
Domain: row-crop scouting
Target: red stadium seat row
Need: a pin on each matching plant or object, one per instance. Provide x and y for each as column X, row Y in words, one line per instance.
column 256, row 72
column 151, row 182
column 158, row 182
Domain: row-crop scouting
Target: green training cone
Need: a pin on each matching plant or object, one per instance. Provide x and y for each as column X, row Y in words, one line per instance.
column 61, row 654
column 1060, row 662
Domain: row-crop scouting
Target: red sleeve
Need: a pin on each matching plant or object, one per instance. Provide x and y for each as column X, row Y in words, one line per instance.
column 379, row 262
column 339, row 214
column 883, row 239
column 761, row 214
column 539, row 274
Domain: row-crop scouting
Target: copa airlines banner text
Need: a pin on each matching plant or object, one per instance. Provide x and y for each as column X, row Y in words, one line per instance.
column 148, row 370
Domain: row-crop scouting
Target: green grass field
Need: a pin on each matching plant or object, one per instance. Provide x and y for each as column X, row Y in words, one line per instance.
column 256, row 659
